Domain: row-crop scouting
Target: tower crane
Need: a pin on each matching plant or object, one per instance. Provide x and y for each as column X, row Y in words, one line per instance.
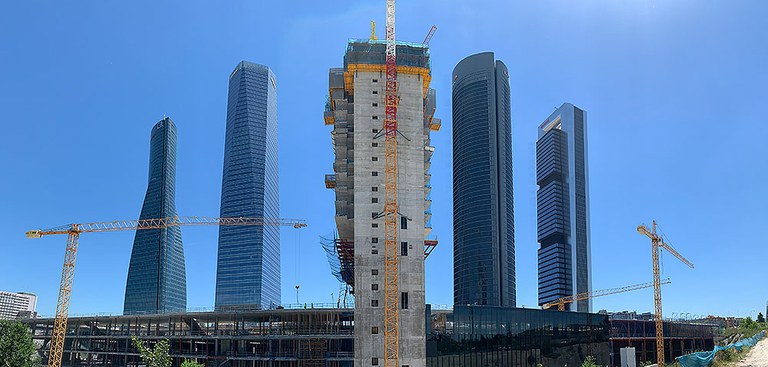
column 429, row 35
column 73, row 232
column 560, row 303
column 657, row 243
column 373, row 31
column 391, row 209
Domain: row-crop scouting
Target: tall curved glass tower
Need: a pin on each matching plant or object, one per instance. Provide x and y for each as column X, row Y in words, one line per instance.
column 248, row 266
column 483, row 217
column 157, row 281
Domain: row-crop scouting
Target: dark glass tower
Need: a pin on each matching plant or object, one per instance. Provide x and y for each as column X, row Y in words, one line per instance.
column 248, row 267
column 157, row 281
column 483, row 216
column 563, row 207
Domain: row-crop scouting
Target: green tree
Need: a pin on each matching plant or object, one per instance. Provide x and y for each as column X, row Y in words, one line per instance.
column 760, row 317
column 16, row 346
column 589, row 362
column 748, row 323
column 190, row 363
column 157, row 357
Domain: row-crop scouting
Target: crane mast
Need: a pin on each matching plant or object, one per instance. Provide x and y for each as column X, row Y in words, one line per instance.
column 657, row 243
column 73, row 232
column 391, row 259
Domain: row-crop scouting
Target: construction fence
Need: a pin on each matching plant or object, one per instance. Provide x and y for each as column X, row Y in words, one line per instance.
column 703, row 359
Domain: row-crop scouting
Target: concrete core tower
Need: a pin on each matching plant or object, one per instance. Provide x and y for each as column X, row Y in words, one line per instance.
column 356, row 111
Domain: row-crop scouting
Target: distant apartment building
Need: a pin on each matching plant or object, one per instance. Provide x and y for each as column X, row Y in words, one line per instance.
column 562, row 175
column 248, row 265
column 483, row 215
column 356, row 109
column 15, row 305
column 157, row 280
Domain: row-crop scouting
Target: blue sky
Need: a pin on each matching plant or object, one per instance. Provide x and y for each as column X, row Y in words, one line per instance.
column 674, row 91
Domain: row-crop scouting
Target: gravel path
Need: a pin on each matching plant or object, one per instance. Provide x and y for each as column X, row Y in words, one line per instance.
column 757, row 356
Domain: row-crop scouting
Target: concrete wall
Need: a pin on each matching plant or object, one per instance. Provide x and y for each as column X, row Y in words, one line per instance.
column 411, row 198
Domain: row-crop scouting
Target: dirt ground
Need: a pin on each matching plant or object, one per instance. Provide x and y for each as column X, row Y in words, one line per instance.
column 757, row 356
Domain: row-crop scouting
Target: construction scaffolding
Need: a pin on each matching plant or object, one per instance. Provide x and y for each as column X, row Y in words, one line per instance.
column 341, row 257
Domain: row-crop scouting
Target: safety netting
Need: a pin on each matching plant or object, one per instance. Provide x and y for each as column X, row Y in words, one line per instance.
column 703, row 359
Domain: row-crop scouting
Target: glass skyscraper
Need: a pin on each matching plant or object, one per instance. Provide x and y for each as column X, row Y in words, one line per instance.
column 248, row 266
column 157, row 281
column 563, row 207
column 483, row 216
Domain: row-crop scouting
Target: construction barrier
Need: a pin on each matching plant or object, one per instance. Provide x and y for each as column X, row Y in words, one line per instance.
column 703, row 359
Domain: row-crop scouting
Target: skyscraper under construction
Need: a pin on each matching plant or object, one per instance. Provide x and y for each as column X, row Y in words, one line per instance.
column 356, row 110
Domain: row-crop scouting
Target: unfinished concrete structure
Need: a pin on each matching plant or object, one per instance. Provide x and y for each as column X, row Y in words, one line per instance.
column 355, row 108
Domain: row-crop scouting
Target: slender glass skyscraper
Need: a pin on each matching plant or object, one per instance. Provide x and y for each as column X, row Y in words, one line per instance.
column 563, row 207
column 483, row 215
column 157, row 280
column 248, row 267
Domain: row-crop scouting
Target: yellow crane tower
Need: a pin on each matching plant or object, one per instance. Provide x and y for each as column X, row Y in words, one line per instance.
column 73, row 232
column 657, row 243
column 391, row 207
column 560, row 303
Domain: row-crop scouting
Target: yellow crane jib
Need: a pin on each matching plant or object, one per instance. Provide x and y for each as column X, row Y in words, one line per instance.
column 561, row 302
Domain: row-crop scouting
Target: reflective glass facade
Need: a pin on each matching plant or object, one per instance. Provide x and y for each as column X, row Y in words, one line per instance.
column 157, row 280
column 503, row 336
column 483, row 217
column 562, row 203
column 248, row 266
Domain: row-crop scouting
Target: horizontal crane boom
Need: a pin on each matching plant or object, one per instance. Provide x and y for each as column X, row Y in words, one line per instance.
column 560, row 303
column 73, row 231
column 156, row 223
column 676, row 254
